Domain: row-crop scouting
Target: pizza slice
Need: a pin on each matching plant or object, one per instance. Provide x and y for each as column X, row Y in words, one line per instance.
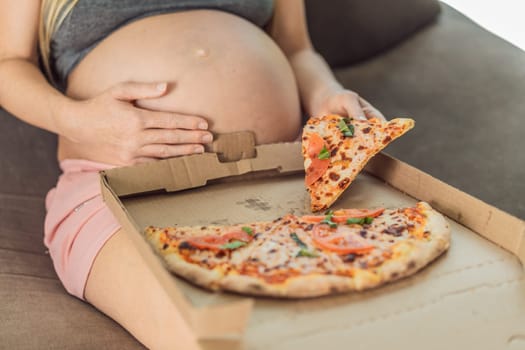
column 308, row 256
column 336, row 149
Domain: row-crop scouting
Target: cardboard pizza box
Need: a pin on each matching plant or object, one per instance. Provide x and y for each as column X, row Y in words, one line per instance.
column 473, row 295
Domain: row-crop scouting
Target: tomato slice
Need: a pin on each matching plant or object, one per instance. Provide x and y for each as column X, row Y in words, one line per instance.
column 359, row 213
column 319, row 218
column 341, row 240
column 214, row 242
column 315, row 145
column 316, row 169
column 318, row 166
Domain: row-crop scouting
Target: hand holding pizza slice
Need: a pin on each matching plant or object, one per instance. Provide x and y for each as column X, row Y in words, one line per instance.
column 313, row 255
column 336, row 149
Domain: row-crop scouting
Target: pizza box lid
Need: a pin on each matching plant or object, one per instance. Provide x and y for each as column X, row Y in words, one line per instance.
column 476, row 291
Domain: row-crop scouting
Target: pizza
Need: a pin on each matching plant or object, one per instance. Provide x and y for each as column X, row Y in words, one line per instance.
column 305, row 256
column 336, row 149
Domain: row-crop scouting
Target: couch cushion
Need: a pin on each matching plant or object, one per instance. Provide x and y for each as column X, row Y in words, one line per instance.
column 36, row 311
column 37, row 314
column 465, row 87
column 346, row 32
column 28, row 163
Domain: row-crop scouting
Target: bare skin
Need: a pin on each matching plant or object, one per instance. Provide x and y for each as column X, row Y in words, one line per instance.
column 236, row 78
column 164, row 98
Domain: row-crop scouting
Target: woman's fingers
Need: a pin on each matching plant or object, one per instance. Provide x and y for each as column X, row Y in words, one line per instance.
column 166, row 143
column 165, row 120
column 175, row 136
column 131, row 91
column 346, row 102
column 349, row 103
column 166, row 135
column 353, row 108
column 370, row 111
column 161, row 151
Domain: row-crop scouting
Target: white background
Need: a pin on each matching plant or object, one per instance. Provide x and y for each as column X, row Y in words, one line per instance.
column 505, row 18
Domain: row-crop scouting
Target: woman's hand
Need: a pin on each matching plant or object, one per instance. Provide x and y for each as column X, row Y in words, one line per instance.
column 110, row 128
column 344, row 102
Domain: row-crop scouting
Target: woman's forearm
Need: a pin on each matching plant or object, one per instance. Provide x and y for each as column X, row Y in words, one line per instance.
column 314, row 78
column 25, row 93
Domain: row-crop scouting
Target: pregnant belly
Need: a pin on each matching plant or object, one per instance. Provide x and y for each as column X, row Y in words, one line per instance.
column 218, row 66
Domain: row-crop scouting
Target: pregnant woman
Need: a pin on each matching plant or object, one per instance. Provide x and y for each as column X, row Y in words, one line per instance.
column 125, row 82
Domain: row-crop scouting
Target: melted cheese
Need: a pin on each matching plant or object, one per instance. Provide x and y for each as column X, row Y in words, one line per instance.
column 273, row 251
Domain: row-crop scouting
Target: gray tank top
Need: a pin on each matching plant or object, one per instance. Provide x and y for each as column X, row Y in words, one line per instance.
column 91, row 21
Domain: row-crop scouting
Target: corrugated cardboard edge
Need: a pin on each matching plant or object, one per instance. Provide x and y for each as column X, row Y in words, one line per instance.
column 490, row 222
column 182, row 173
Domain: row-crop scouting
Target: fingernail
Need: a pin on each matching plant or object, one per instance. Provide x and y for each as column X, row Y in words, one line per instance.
column 361, row 117
column 161, row 86
column 207, row 138
column 203, row 126
column 198, row 149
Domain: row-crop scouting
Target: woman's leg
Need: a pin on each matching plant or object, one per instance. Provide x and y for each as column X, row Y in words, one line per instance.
column 96, row 260
column 121, row 286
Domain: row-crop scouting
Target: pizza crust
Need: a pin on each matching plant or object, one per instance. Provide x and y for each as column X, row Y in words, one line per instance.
column 296, row 287
column 203, row 277
column 421, row 253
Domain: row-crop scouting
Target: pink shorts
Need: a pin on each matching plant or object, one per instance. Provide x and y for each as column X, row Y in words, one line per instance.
column 78, row 222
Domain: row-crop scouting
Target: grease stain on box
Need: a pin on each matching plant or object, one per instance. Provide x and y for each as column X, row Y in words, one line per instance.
column 255, row 204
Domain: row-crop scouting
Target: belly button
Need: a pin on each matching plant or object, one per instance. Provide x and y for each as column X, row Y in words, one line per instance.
column 202, row 53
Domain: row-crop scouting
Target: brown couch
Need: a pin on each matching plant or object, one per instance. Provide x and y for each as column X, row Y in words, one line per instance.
column 463, row 85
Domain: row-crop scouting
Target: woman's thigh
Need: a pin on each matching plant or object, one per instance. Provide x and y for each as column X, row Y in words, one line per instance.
column 121, row 285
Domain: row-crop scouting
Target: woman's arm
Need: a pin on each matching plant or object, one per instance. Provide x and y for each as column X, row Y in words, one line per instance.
column 115, row 129
column 23, row 89
column 320, row 92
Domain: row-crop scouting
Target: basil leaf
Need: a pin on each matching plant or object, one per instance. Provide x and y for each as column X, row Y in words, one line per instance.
column 342, row 125
column 324, row 154
column 346, row 128
column 351, row 130
column 328, row 221
column 361, row 221
column 233, row 245
column 307, row 253
column 358, row 221
column 248, row 230
column 304, row 248
column 298, row 240
column 368, row 220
